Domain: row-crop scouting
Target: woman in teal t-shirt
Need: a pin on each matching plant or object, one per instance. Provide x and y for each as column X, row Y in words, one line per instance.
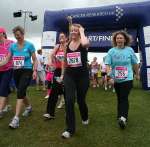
column 121, row 59
column 21, row 52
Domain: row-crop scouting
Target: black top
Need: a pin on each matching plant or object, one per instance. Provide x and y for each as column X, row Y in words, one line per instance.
column 82, row 69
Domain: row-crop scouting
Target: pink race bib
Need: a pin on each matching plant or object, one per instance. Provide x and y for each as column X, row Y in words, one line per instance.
column 18, row 61
column 74, row 59
column 121, row 72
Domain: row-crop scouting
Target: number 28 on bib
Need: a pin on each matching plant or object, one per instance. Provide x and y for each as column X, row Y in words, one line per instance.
column 74, row 59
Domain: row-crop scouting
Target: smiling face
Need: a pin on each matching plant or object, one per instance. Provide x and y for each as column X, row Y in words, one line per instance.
column 62, row 38
column 74, row 33
column 19, row 36
column 120, row 40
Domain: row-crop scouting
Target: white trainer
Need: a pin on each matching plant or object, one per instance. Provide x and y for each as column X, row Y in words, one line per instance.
column 27, row 111
column 46, row 97
column 7, row 108
column 66, row 135
column 122, row 122
column 86, row 122
column 14, row 123
column 48, row 116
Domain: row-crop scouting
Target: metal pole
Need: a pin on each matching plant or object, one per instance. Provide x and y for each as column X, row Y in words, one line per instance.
column 25, row 17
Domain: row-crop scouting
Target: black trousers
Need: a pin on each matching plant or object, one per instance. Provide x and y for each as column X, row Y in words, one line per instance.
column 75, row 87
column 22, row 78
column 122, row 90
column 57, row 89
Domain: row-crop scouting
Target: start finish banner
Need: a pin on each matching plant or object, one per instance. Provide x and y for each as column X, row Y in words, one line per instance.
column 104, row 38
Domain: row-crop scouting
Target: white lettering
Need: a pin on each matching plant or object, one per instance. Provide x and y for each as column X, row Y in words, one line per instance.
column 99, row 38
column 92, row 14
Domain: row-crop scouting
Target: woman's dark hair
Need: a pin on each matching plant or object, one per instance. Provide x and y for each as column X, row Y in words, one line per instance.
column 39, row 51
column 128, row 38
column 18, row 28
column 5, row 35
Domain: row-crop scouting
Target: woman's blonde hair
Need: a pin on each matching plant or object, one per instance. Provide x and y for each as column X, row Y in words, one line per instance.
column 75, row 25
column 128, row 38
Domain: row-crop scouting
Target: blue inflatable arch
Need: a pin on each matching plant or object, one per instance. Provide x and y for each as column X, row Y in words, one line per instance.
column 101, row 22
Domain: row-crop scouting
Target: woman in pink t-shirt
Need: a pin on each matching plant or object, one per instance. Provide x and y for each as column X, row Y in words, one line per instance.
column 5, row 70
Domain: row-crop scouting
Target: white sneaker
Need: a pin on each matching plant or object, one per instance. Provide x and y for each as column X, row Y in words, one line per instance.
column 7, row 108
column 60, row 106
column 122, row 122
column 48, row 116
column 66, row 135
column 105, row 88
column 14, row 123
column 86, row 122
column 46, row 97
column 113, row 90
column 27, row 111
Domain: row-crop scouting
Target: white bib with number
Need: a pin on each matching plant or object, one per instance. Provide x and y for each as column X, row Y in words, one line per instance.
column 121, row 72
column 18, row 61
column 60, row 56
column 74, row 59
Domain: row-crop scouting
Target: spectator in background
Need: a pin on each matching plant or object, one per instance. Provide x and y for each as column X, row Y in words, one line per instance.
column 94, row 70
column 104, row 74
column 49, row 78
column 40, row 71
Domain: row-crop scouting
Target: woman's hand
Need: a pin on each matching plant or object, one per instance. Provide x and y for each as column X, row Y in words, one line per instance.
column 62, row 77
column 34, row 75
column 69, row 18
column 81, row 29
column 137, row 76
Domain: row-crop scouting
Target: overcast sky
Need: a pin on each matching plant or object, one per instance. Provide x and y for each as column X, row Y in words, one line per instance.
column 34, row 29
column 7, row 7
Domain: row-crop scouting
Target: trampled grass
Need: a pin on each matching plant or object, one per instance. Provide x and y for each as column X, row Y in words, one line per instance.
column 103, row 130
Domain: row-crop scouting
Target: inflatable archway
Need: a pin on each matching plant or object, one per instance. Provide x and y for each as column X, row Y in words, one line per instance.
column 99, row 23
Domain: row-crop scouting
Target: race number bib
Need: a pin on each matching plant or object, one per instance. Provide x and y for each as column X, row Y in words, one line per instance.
column 121, row 72
column 2, row 57
column 74, row 59
column 18, row 61
column 60, row 56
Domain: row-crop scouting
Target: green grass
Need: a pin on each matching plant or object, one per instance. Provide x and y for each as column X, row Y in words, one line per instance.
column 103, row 130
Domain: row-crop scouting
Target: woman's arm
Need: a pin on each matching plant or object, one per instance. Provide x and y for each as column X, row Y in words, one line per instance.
column 108, row 69
column 84, row 40
column 6, row 60
column 35, row 63
column 136, row 69
column 51, row 57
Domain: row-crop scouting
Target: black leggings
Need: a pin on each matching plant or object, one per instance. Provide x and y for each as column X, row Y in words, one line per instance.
column 22, row 78
column 122, row 90
column 75, row 87
column 57, row 89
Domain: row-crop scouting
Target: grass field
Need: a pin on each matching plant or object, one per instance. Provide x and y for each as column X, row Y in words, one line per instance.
column 103, row 130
